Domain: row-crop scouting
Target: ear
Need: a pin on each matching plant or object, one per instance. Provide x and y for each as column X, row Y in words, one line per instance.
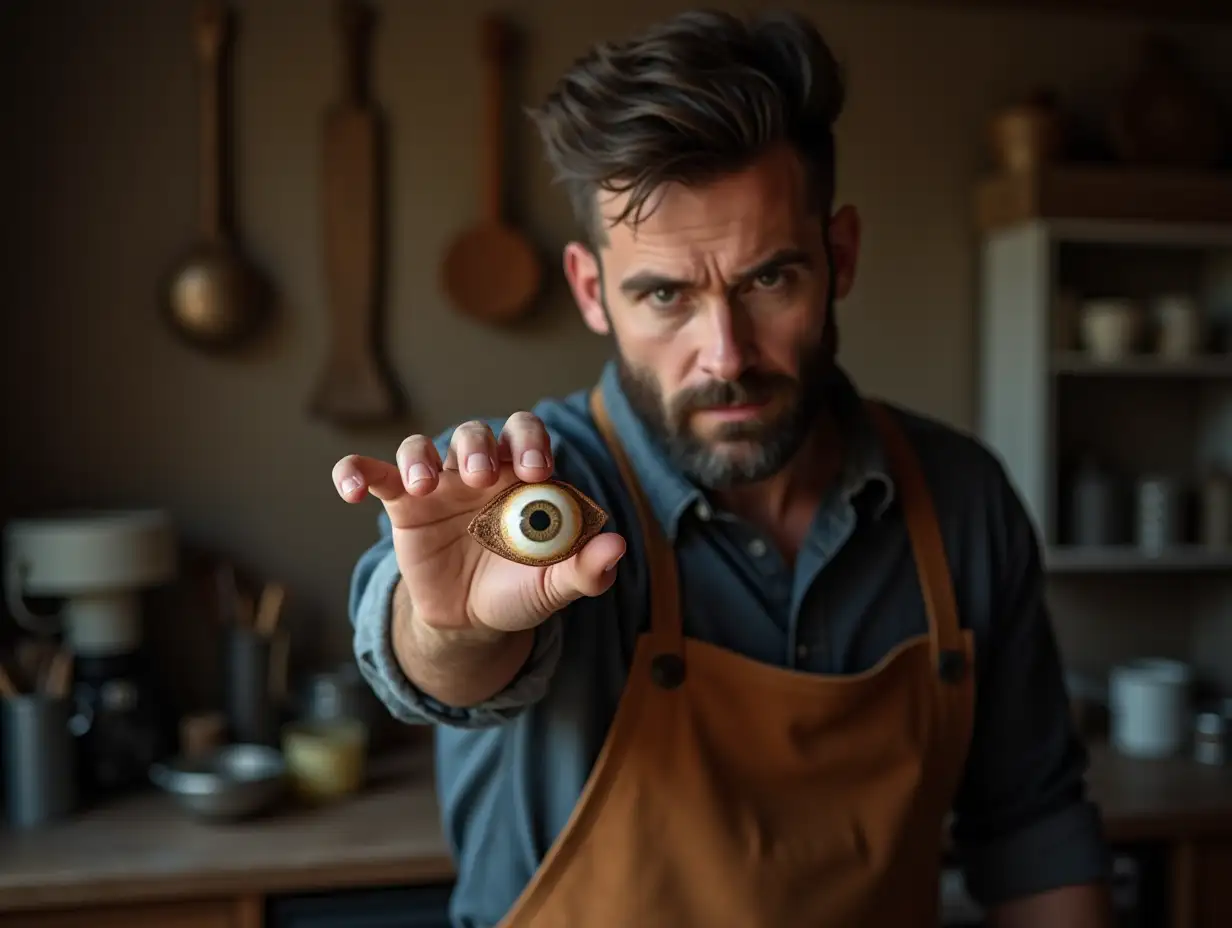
column 845, row 248
column 586, row 282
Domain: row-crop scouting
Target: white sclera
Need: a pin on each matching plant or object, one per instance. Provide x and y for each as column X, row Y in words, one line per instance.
column 570, row 521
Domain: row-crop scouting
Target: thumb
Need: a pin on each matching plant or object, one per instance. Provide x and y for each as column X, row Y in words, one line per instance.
column 588, row 573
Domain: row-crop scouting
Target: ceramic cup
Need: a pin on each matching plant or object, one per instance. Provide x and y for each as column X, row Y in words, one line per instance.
column 1111, row 328
column 1149, row 699
column 1179, row 327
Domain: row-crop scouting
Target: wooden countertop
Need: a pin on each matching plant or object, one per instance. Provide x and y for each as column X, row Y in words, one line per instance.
column 142, row 848
column 1144, row 800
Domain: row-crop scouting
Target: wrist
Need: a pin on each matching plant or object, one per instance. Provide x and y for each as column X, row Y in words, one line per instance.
column 431, row 639
column 457, row 666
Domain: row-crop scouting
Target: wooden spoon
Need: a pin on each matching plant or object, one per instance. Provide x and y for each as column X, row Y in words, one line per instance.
column 217, row 298
column 491, row 271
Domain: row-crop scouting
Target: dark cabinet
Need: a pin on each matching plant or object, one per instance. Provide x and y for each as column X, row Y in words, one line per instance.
column 401, row 907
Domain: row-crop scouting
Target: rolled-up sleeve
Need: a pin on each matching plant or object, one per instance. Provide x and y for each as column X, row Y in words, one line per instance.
column 371, row 610
column 1023, row 822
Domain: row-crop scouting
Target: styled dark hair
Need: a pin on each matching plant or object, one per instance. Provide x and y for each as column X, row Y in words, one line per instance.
column 696, row 97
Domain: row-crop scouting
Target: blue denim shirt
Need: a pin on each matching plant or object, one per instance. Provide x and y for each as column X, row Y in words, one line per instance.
column 510, row 771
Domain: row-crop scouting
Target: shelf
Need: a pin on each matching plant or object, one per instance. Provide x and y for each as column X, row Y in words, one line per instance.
column 1088, row 202
column 1179, row 11
column 1130, row 559
column 1078, row 364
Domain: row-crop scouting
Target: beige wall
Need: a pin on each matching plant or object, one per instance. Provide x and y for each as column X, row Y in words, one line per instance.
column 102, row 406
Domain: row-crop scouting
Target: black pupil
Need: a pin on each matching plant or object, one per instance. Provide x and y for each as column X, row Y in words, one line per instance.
column 539, row 520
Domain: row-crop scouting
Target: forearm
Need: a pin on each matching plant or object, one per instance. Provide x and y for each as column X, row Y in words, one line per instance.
column 459, row 669
column 1086, row 906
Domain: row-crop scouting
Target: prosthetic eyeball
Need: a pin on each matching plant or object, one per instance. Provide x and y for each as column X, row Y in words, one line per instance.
column 538, row 524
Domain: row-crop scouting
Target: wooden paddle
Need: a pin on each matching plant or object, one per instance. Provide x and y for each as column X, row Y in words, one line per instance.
column 491, row 271
column 353, row 388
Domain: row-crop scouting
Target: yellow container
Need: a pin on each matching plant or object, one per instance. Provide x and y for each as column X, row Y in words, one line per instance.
column 325, row 760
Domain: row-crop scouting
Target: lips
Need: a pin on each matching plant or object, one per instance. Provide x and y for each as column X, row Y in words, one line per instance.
column 741, row 411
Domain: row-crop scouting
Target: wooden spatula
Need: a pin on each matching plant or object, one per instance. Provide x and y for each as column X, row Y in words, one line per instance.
column 353, row 388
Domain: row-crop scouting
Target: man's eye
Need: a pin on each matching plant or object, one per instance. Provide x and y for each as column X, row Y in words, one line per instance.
column 663, row 296
column 769, row 279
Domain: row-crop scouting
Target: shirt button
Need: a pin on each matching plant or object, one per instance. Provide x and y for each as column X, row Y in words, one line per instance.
column 703, row 512
column 802, row 651
column 757, row 548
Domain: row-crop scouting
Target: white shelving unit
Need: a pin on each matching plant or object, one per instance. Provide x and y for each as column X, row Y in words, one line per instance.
column 1043, row 399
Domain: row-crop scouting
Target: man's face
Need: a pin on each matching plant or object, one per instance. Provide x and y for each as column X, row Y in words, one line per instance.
column 718, row 305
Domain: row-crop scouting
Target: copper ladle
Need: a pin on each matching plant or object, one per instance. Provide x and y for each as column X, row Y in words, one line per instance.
column 216, row 297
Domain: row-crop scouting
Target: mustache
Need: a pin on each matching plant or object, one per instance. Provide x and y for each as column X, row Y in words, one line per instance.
column 751, row 388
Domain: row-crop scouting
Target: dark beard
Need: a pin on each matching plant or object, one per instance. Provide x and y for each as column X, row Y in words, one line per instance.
column 770, row 445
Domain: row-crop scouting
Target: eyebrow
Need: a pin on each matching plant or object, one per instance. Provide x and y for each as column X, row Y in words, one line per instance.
column 642, row 282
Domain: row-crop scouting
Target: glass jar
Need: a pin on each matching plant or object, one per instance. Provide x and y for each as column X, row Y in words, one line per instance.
column 1210, row 738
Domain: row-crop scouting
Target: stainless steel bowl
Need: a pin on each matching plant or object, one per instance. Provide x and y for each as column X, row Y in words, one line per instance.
column 231, row 782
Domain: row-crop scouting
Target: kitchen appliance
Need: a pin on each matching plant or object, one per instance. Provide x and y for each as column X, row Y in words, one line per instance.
column 94, row 566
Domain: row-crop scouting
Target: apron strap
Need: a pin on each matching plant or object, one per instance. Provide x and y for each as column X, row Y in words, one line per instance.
column 924, row 531
column 665, row 612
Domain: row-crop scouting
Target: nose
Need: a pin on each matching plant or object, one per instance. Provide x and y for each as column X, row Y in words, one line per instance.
column 726, row 352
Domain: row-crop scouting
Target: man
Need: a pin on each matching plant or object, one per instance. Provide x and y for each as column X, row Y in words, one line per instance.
column 812, row 628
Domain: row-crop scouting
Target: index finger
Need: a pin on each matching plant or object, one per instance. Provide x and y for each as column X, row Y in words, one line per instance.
column 356, row 475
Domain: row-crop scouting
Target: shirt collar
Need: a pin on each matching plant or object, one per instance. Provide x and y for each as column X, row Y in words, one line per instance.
column 670, row 494
column 866, row 469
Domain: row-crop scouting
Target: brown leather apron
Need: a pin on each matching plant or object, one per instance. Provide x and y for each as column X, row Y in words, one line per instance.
column 731, row 792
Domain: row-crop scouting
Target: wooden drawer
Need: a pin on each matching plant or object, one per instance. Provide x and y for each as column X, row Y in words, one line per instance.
column 204, row 913
column 1212, row 887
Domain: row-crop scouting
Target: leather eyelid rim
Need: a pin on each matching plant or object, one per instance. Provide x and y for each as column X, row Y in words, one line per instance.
column 594, row 517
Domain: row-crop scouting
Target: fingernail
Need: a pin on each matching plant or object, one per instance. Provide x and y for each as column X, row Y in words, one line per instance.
column 418, row 472
column 612, row 566
column 350, row 484
column 477, row 462
column 533, row 458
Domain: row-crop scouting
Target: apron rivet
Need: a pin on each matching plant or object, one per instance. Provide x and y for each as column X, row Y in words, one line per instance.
column 667, row 671
column 951, row 665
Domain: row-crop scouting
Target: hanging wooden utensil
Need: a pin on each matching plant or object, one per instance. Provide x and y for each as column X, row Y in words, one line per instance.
column 216, row 298
column 491, row 270
column 269, row 609
column 353, row 388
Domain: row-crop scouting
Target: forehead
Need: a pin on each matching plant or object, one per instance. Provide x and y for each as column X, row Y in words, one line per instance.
column 731, row 219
